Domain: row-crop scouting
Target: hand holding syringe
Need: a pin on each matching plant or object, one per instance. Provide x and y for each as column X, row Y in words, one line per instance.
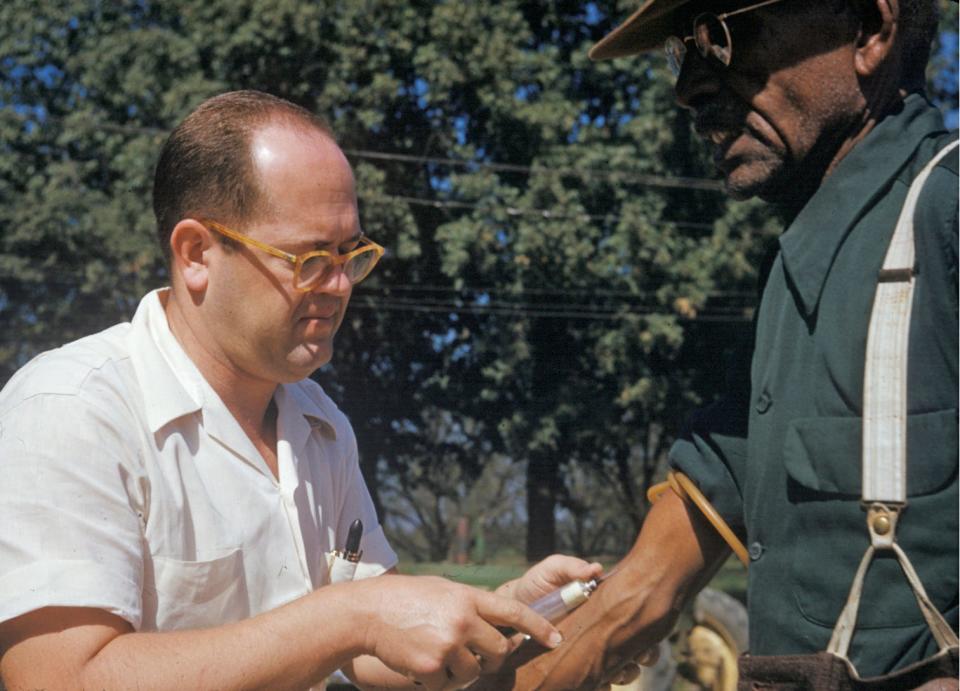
column 556, row 605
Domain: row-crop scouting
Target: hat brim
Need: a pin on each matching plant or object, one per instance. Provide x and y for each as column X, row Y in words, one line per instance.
column 643, row 31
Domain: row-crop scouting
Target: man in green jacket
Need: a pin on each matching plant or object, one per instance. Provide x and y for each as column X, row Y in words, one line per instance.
column 816, row 107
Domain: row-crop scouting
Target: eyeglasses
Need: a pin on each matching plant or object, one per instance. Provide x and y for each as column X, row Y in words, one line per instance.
column 711, row 36
column 314, row 267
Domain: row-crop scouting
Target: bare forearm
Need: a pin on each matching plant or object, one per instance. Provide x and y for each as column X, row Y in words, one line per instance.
column 631, row 611
column 291, row 647
column 283, row 649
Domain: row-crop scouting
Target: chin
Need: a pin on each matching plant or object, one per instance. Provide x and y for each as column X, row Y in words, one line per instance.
column 307, row 359
column 741, row 189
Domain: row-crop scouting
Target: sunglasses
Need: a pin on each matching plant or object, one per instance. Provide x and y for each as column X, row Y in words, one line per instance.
column 711, row 36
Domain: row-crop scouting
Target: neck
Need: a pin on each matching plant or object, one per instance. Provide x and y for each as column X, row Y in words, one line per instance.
column 248, row 398
column 830, row 151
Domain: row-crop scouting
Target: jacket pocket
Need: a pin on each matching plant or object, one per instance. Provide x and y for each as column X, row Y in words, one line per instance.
column 195, row 594
column 823, row 465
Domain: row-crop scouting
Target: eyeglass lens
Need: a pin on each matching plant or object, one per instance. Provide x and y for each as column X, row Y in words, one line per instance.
column 711, row 38
column 316, row 270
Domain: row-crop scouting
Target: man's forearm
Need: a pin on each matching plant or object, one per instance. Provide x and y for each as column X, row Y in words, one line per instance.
column 291, row 647
column 633, row 610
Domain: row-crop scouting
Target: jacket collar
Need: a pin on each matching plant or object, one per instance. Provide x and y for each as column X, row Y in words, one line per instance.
column 809, row 246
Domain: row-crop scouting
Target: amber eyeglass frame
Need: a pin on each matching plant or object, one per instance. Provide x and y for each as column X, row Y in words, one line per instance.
column 367, row 245
column 676, row 47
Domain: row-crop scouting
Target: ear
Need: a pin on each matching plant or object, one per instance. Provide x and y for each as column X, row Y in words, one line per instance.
column 190, row 243
column 878, row 34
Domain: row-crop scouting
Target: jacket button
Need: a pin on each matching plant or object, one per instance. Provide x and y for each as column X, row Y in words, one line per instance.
column 755, row 551
column 764, row 402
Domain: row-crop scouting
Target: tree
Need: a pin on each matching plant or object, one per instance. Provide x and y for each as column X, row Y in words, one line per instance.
column 562, row 269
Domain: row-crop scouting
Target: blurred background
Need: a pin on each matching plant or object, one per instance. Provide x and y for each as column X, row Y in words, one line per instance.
column 564, row 279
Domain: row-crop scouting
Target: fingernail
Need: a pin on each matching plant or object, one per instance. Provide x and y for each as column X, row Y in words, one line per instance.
column 555, row 639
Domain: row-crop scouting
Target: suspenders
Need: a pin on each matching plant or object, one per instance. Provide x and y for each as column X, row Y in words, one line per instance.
column 885, row 424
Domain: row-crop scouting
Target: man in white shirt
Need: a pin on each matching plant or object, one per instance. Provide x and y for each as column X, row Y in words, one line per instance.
column 172, row 487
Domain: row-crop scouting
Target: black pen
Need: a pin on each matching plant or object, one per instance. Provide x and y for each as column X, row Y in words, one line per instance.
column 343, row 565
column 352, row 552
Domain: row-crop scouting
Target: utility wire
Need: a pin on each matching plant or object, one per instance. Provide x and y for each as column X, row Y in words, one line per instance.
column 650, row 180
column 553, row 314
column 528, row 290
column 70, row 278
column 642, row 179
column 621, row 175
column 517, row 211
column 524, row 309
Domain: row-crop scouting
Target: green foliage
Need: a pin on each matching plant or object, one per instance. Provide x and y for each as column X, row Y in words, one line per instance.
column 563, row 276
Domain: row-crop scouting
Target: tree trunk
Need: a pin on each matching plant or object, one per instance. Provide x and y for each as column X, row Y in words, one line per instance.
column 542, row 478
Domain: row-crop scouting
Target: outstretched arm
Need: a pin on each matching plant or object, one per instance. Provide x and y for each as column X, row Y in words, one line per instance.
column 674, row 556
column 428, row 629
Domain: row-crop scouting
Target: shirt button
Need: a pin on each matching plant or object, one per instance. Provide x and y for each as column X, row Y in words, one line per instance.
column 755, row 551
column 764, row 402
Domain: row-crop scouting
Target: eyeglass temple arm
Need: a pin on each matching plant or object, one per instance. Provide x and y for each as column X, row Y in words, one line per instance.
column 250, row 241
column 733, row 13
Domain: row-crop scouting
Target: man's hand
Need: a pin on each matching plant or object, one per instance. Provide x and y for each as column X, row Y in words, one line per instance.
column 548, row 575
column 440, row 634
column 630, row 612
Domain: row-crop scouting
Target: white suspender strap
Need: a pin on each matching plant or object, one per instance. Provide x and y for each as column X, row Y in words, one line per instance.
column 884, row 463
column 885, row 375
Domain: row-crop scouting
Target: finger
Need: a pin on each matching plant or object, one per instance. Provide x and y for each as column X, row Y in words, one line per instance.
column 504, row 612
column 489, row 646
column 628, row 673
column 462, row 667
column 649, row 657
column 560, row 568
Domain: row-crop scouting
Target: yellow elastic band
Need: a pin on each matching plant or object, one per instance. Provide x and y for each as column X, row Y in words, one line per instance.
column 685, row 489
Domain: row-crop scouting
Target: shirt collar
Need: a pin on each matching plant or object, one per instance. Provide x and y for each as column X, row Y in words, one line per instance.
column 169, row 380
column 172, row 385
column 315, row 411
column 809, row 245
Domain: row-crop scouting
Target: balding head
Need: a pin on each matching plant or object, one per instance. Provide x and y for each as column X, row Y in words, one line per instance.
column 206, row 168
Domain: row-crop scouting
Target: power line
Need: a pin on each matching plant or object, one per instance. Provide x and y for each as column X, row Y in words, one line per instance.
column 63, row 278
column 646, row 179
column 517, row 211
column 528, row 290
column 561, row 312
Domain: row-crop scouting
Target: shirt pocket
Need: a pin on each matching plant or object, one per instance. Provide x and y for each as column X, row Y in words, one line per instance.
column 195, row 594
column 823, row 466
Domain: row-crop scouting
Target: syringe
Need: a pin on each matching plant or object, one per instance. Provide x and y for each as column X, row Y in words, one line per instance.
column 556, row 605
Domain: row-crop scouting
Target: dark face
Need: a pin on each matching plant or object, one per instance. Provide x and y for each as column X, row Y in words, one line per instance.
column 779, row 115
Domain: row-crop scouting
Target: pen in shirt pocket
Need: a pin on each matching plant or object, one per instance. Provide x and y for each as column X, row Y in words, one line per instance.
column 344, row 564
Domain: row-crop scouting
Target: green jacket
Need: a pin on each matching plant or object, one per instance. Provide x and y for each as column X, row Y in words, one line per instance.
column 779, row 456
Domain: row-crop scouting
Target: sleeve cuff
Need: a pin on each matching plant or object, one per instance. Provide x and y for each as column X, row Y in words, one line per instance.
column 63, row 583
column 378, row 556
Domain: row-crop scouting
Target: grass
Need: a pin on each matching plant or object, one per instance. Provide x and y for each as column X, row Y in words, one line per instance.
column 731, row 578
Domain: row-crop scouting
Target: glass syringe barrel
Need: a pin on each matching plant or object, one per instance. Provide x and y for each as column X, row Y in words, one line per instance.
column 556, row 605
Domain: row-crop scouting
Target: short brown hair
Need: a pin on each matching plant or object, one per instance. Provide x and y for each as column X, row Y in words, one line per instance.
column 205, row 166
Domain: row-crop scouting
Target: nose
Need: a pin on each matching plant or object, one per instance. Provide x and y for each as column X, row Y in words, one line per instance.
column 335, row 282
column 699, row 79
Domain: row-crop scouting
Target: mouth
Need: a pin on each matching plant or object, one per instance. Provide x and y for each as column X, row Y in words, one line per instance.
column 319, row 325
column 326, row 316
column 720, row 126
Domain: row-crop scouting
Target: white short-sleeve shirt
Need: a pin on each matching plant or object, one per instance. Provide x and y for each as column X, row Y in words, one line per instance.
column 126, row 485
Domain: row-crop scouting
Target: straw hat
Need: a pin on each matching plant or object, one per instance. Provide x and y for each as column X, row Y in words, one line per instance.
column 646, row 29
